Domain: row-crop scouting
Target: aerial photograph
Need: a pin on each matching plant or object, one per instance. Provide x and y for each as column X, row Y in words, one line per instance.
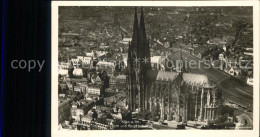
column 155, row 68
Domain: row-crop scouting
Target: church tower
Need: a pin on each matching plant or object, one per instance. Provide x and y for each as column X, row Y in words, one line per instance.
column 145, row 62
column 138, row 63
column 132, row 55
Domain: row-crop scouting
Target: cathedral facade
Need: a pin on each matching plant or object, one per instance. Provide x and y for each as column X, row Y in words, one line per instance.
column 178, row 96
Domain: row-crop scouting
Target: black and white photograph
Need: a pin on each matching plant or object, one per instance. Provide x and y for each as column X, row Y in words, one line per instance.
column 152, row 67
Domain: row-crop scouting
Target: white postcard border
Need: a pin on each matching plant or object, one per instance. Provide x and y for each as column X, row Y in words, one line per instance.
column 153, row 133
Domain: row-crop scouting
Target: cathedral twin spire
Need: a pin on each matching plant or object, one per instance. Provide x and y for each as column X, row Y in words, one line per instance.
column 139, row 45
column 138, row 63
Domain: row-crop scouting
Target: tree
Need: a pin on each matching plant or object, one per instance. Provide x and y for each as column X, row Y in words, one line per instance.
column 70, row 120
column 85, row 72
column 118, row 122
column 145, row 115
column 126, row 115
column 239, row 25
column 155, row 114
column 94, row 114
column 226, row 110
column 66, row 90
column 221, row 119
column 102, row 120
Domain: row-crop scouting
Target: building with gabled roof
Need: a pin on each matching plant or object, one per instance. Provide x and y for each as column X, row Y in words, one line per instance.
column 78, row 72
